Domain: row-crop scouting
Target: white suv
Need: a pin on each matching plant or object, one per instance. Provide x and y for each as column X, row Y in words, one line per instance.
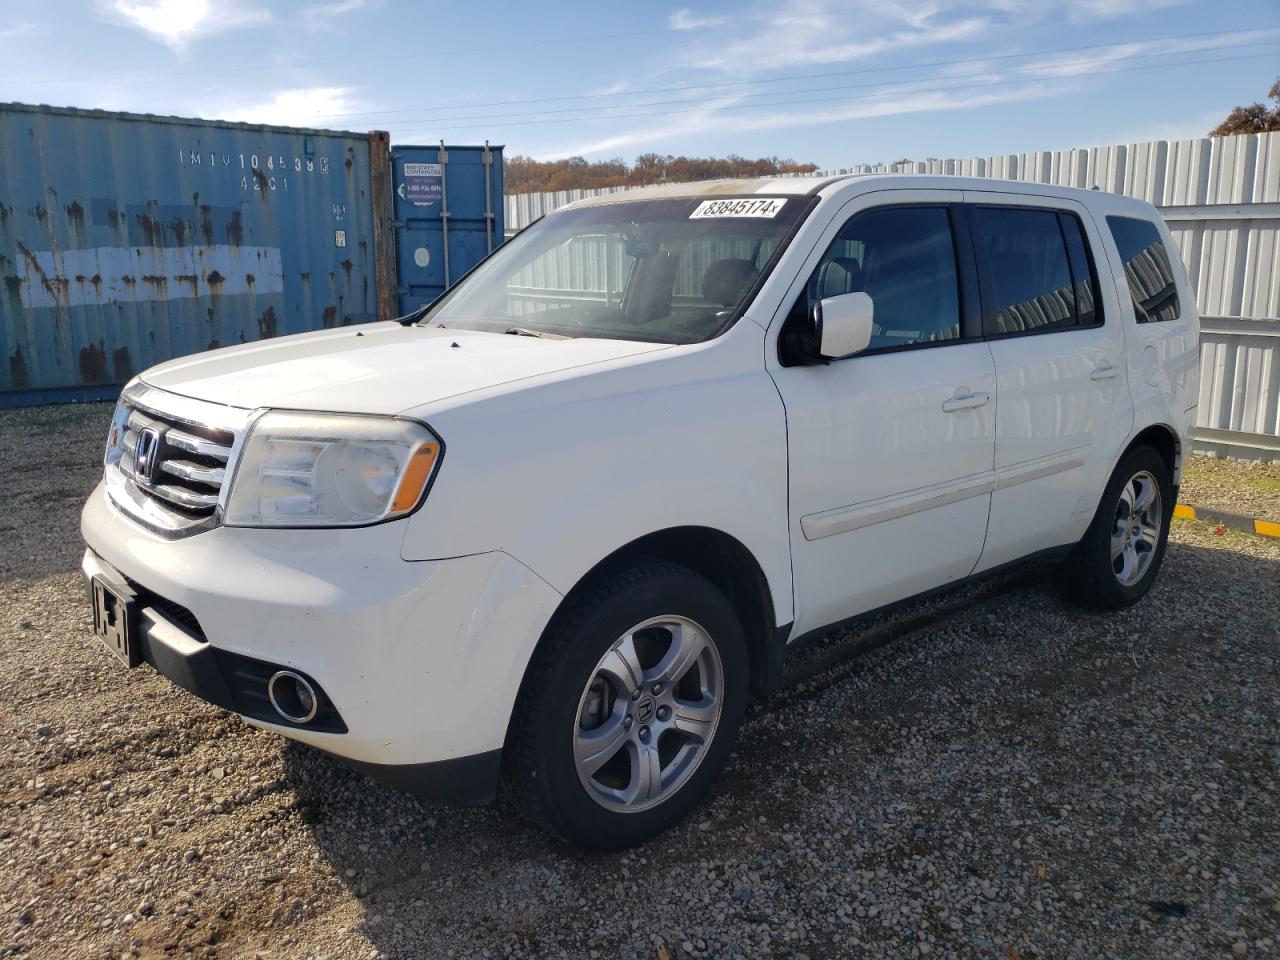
column 555, row 529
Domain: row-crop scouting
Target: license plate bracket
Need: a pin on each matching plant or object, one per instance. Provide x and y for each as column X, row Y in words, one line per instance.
column 115, row 619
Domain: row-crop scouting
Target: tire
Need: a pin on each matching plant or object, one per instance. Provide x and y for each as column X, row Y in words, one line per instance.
column 1096, row 576
column 575, row 762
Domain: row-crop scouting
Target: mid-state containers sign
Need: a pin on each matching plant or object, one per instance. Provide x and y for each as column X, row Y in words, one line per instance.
column 422, row 184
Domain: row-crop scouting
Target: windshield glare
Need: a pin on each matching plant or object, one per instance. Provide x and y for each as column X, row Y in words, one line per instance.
column 667, row 271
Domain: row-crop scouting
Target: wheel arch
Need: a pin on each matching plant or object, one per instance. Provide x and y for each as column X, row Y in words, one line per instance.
column 722, row 559
column 1166, row 441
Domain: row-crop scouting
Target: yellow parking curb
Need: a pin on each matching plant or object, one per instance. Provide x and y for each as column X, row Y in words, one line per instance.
column 1262, row 528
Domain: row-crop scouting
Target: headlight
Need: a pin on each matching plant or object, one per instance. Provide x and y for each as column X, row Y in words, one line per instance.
column 119, row 420
column 330, row 470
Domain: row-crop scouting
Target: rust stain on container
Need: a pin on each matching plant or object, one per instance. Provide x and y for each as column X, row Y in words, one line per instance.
column 57, row 287
column 248, row 279
column 121, row 363
column 40, row 213
column 206, row 223
column 75, row 220
column 260, row 181
column 18, row 369
column 189, row 280
column 178, row 227
column 93, row 363
column 154, row 232
column 330, row 316
column 159, row 284
column 267, row 323
column 215, row 281
column 235, row 232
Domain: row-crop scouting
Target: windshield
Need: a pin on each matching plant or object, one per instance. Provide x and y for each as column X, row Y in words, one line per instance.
column 666, row 271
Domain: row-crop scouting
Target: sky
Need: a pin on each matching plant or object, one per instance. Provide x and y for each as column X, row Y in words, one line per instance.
column 832, row 82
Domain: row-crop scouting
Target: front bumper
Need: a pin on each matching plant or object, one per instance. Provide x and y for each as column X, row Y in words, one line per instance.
column 421, row 661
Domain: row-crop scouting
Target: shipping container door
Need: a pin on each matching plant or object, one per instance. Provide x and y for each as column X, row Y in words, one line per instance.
column 448, row 216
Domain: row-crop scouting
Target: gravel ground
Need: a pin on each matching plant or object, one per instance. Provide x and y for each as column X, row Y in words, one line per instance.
column 1252, row 489
column 1003, row 776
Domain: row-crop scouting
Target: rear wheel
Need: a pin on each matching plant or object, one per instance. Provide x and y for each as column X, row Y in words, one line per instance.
column 631, row 708
column 1118, row 558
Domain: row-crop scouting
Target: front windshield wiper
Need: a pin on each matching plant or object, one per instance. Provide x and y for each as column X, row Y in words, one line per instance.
column 526, row 332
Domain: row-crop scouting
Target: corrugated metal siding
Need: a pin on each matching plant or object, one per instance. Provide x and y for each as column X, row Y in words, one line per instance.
column 126, row 240
column 1221, row 199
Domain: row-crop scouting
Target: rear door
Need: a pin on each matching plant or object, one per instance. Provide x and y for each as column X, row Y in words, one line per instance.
column 1164, row 330
column 1063, row 410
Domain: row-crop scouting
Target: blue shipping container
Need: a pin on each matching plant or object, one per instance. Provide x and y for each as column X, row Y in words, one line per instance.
column 126, row 240
column 448, row 216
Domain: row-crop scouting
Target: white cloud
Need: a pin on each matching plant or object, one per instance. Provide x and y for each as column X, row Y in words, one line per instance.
column 1092, row 10
column 21, row 28
column 685, row 19
column 715, row 118
column 808, row 33
column 176, row 23
column 1086, row 63
column 322, row 16
column 301, row 107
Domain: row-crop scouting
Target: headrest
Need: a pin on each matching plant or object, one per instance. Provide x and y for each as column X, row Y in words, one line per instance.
column 839, row 275
column 725, row 281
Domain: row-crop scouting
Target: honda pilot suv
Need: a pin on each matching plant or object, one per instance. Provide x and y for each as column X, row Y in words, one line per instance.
column 555, row 529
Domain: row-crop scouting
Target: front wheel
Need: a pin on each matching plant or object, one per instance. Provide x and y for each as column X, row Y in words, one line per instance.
column 1117, row 560
column 630, row 709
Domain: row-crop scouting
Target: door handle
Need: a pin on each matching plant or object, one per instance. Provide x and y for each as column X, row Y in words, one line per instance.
column 1109, row 372
column 966, row 401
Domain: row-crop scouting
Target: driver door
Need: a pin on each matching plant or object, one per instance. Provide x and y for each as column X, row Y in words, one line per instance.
column 891, row 451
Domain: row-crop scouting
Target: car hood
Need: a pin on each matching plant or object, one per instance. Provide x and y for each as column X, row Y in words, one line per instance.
column 375, row 368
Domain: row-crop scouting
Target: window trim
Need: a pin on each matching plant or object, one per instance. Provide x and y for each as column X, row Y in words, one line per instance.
column 986, row 284
column 1173, row 276
column 1095, row 285
column 968, row 297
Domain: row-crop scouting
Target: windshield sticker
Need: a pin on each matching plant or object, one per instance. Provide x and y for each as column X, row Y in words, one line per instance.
column 761, row 207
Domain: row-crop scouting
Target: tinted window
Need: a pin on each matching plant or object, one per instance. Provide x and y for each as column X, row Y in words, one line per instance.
column 1030, row 273
column 1147, row 268
column 903, row 257
column 1083, row 273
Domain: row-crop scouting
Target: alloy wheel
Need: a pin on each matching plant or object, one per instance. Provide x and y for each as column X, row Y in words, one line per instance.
column 648, row 714
column 1135, row 534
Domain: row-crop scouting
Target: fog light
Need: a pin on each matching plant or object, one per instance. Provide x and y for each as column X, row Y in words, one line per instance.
column 292, row 696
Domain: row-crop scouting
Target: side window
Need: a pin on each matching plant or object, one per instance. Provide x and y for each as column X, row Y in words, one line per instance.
column 1147, row 268
column 1083, row 272
column 1032, row 288
column 904, row 259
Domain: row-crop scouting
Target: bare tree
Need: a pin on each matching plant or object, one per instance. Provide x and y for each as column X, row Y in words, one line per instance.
column 526, row 175
column 1255, row 118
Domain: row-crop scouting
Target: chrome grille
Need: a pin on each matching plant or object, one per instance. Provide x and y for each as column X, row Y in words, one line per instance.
column 168, row 457
column 179, row 463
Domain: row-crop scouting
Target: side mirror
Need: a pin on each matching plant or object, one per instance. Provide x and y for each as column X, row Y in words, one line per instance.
column 843, row 324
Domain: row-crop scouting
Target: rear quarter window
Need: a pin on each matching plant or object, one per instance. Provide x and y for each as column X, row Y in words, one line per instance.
column 1147, row 268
